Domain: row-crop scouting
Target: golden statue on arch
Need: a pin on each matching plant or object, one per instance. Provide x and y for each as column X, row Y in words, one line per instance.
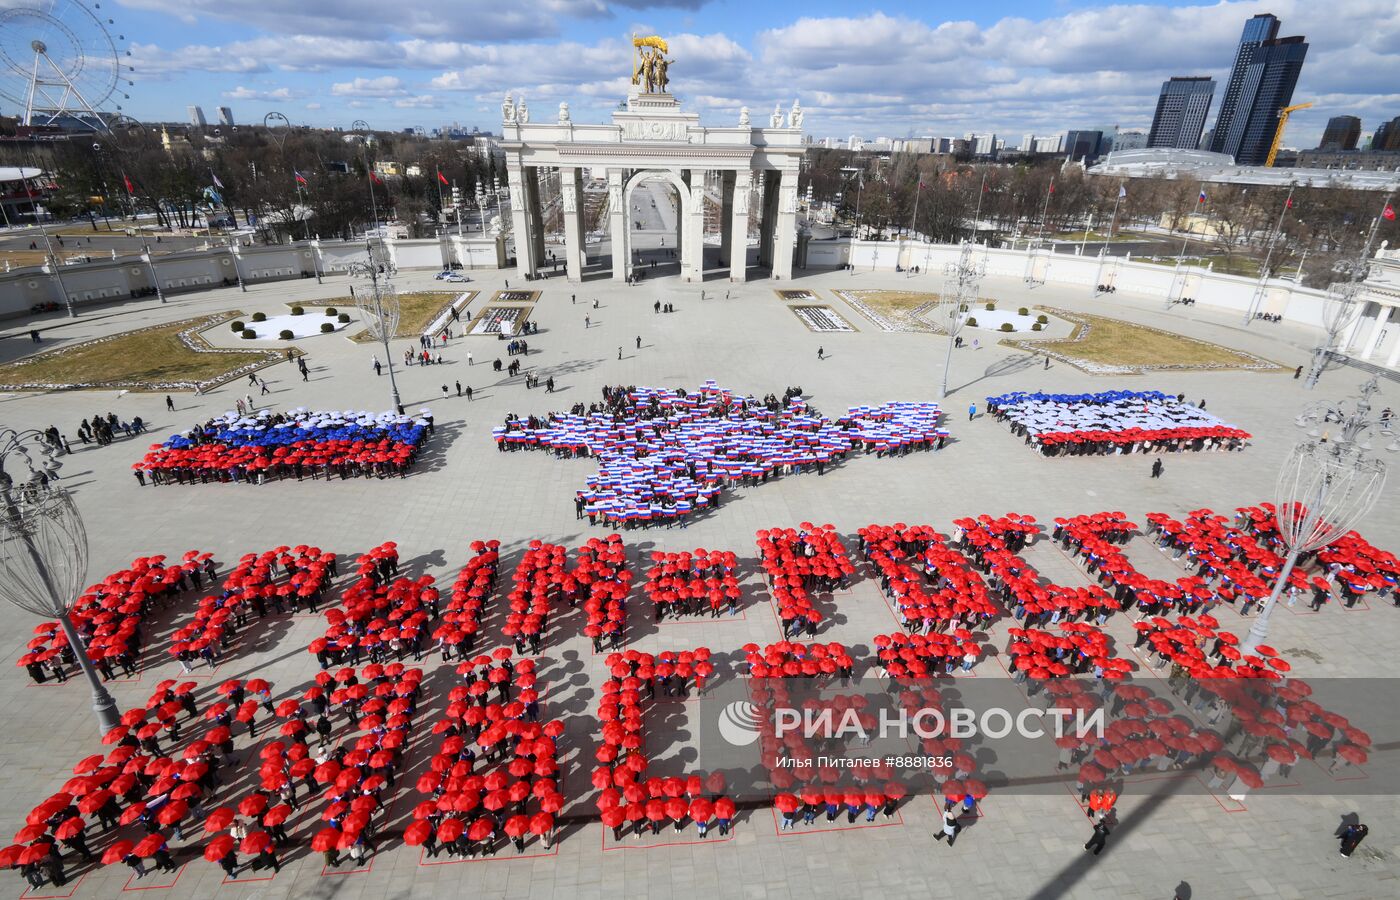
column 649, row 64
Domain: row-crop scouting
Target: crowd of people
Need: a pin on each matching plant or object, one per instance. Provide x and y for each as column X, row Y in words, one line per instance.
column 628, row 799
column 1113, row 422
column 691, row 584
column 800, row 562
column 296, row 444
column 665, row 455
column 494, row 778
column 108, row 617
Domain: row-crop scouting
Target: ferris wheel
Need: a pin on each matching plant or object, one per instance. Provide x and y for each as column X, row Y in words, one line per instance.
column 60, row 62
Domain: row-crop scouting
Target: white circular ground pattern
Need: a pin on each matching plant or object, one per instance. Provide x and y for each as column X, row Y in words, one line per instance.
column 304, row 326
column 991, row 320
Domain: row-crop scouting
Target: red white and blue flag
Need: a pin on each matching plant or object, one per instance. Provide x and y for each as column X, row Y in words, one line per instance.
column 300, row 178
column 1202, row 197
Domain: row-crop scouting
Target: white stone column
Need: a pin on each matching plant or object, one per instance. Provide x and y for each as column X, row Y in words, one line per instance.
column 1394, row 355
column 726, row 216
column 693, row 254
column 785, row 228
column 1353, row 329
column 617, row 224
column 534, row 211
column 520, row 221
column 739, row 226
column 1382, row 317
column 571, row 199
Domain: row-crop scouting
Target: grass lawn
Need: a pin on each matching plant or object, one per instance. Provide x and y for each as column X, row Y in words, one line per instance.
column 891, row 303
column 1101, row 341
column 417, row 309
column 137, row 360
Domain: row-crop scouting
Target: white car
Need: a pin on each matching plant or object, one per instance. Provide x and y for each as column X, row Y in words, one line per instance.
column 455, row 277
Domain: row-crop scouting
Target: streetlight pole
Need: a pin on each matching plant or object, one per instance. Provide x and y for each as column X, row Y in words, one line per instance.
column 1257, row 299
column 54, row 261
column 961, row 282
column 1328, row 484
column 151, row 264
column 44, row 549
column 380, row 311
column 1342, row 307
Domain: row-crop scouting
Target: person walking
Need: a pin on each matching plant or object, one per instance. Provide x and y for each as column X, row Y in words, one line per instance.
column 1297, row 373
column 1157, row 467
column 446, row 392
column 821, row 353
column 468, row 391
column 1100, row 837
column 265, row 389
column 1352, row 836
column 639, row 342
column 378, row 368
column 950, row 827
column 469, row 357
column 459, row 388
column 169, row 403
column 619, row 353
column 971, row 411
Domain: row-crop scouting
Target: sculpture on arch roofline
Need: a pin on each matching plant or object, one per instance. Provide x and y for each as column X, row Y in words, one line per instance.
column 776, row 120
column 508, row 109
column 563, row 113
column 522, row 112
column 795, row 115
column 743, row 117
column 650, row 65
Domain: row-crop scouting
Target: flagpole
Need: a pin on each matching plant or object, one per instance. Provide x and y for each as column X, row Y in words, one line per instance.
column 1108, row 236
column 1045, row 209
column 1177, row 280
column 915, row 217
column 1258, row 299
column 439, row 189
column 54, row 261
column 977, row 216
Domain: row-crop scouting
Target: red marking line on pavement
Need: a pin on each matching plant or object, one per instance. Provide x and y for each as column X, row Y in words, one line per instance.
column 153, row 887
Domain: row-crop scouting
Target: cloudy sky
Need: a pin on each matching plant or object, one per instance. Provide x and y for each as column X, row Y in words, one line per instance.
column 892, row 68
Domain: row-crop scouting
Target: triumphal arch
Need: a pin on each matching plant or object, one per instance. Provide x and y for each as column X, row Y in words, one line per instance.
column 745, row 173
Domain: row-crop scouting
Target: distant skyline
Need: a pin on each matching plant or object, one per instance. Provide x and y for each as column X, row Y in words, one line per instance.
column 1008, row 66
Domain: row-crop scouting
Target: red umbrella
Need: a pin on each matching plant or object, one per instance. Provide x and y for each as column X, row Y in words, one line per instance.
column 219, row 819
column 278, row 815
column 416, row 834
column 253, row 804
column 219, row 847
column 786, row 803
column 117, row 852
column 517, row 825
column 148, row 845
column 449, row 830
column 325, row 839
column 69, row 827
column 256, row 842
column 173, row 812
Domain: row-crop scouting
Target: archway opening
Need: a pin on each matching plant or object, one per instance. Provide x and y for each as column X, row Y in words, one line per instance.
column 654, row 221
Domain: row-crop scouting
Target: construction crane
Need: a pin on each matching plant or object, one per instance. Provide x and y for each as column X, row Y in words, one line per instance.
column 1283, row 115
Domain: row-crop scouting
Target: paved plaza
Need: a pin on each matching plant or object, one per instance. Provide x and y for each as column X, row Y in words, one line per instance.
column 745, row 338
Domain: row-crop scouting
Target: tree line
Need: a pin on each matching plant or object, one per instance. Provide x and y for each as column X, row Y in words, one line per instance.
column 1328, row 225
column 132, row 172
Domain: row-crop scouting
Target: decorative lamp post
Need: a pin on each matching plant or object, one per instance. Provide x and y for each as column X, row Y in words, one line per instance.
column 44, row 548
column 1343, row 305
column 961, row 282
column 379, row 308
column 1328, row 484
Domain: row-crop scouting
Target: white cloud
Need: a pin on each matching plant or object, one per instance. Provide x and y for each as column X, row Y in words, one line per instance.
column 383, row 86
column 418, row 101
column 247, row 93
column 873, row 73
